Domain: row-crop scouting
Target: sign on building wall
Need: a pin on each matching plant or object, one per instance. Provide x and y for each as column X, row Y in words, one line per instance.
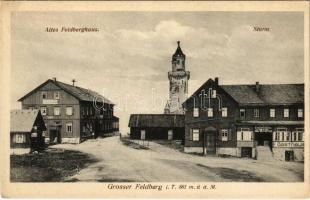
column 50, row 101
column 288, row 144
column 263, row 129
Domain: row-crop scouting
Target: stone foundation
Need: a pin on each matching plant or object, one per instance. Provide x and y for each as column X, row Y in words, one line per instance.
column 70, row 140
column 20, row 151
column 227, row 151
column 279, row 153
column 193, row 149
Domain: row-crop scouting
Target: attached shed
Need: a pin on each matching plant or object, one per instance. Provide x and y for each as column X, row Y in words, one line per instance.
column 157, row 126
column 26, row 131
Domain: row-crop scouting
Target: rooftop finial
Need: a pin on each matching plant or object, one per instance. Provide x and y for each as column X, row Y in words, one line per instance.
column 178, row 43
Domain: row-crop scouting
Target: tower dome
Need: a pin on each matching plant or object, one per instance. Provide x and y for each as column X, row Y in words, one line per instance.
column 178, row 53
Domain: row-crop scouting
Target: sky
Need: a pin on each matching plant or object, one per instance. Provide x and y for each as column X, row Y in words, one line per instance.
column 128, row 59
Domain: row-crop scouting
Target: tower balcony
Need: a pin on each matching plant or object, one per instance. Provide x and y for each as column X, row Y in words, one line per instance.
column 179, row 74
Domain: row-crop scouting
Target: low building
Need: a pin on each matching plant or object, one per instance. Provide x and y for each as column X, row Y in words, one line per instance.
column 71, row 113
column 157, row 126
column 258, row 121
column 26, row 131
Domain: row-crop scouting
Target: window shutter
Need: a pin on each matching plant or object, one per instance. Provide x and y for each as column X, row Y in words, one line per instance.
column 274, row 136
column 190, row 134
column 229, row 134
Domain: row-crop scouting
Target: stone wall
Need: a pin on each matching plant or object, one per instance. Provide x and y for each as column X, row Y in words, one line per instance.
column 70, row 140
column 19, row 151
column 228, row 151
column 193, row 149
column 279, row 153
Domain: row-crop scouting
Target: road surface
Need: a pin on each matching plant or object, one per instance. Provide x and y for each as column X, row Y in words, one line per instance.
column 120, row 163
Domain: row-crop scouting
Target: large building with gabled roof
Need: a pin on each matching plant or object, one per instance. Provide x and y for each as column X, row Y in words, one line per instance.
column 71, row 113
column 263, row 121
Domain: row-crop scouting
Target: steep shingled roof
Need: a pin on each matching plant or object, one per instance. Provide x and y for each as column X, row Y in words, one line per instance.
column 156, row 120
column 178, row 52
column 268, row 94
column 23, row 120
column 80, row 93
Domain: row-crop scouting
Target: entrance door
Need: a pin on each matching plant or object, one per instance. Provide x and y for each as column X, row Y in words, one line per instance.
column 55, row 135
column 210, row 142
column 170, row 134
column 142, row 134
column 289, row 155
column 263, row 139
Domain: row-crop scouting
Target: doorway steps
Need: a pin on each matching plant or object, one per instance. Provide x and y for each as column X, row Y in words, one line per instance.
column 264, row 153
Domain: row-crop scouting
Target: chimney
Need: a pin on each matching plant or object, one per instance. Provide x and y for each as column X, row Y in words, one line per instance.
column 73, row 81
column 257, row 87
column 216, row 80
column 54, row 79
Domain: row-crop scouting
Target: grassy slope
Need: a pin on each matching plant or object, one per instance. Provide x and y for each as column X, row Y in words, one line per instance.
column 50, row 166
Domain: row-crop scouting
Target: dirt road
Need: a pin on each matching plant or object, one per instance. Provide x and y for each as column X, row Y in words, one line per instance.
column 118, row 163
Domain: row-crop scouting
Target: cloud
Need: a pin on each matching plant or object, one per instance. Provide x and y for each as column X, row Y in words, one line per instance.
column 132, row 60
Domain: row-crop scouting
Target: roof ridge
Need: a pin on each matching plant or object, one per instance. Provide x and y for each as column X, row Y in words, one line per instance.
column 262, row 84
